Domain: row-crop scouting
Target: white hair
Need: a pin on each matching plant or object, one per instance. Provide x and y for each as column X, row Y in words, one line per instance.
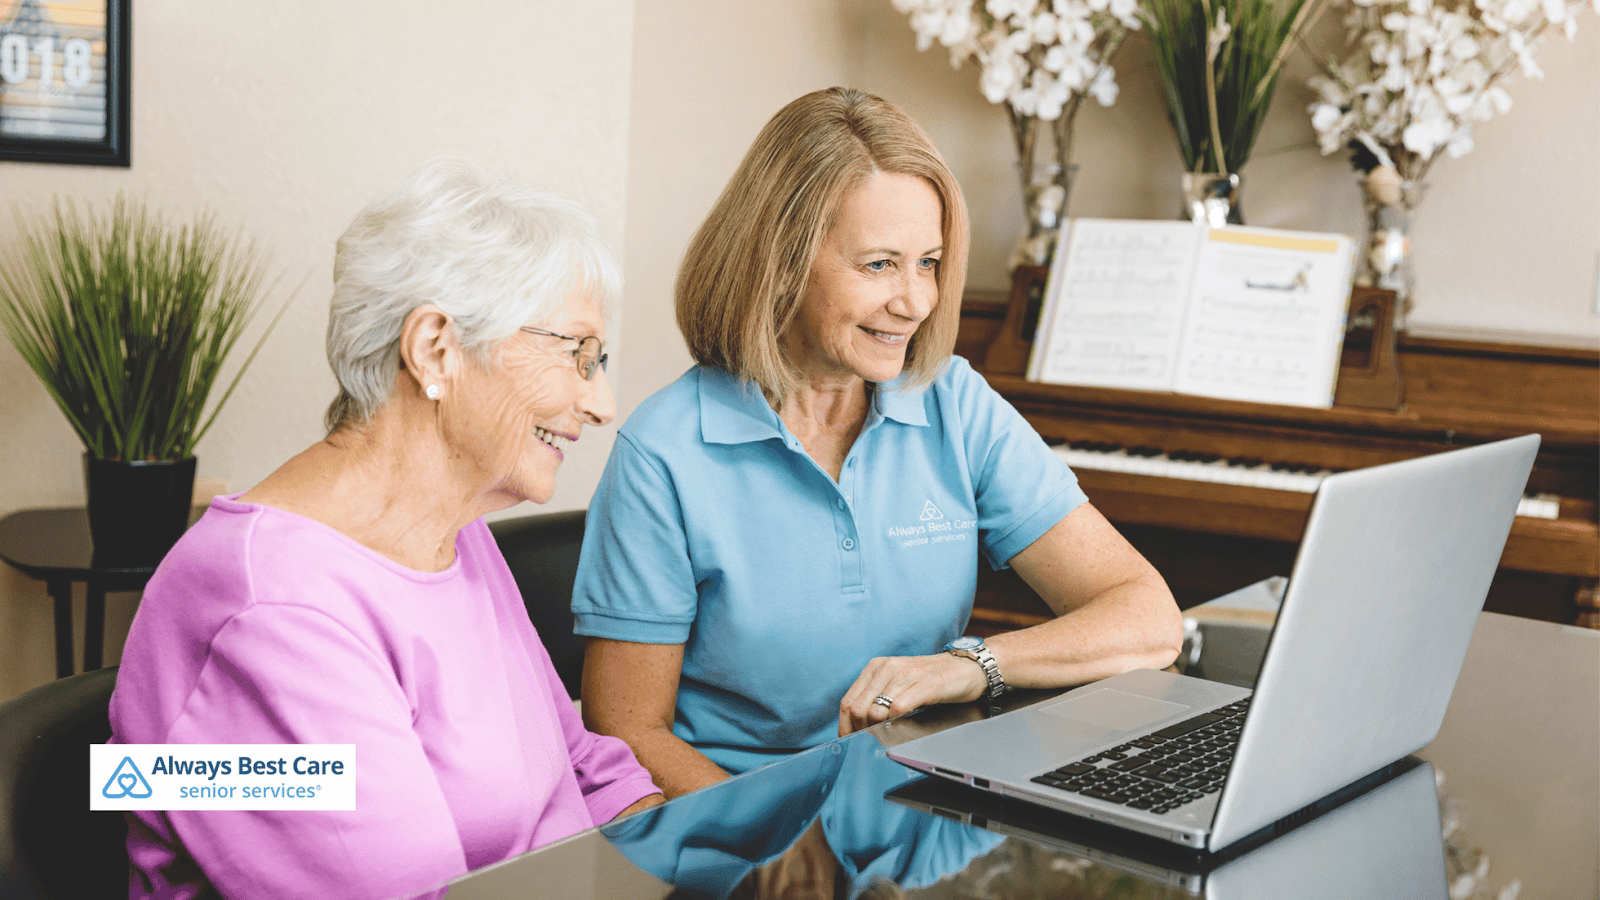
column 492, row 254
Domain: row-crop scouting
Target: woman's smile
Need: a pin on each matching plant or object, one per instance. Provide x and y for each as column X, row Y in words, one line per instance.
column 555, row 440
column 888, row 337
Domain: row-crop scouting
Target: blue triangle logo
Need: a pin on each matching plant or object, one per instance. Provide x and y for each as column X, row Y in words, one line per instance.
column 126, row 781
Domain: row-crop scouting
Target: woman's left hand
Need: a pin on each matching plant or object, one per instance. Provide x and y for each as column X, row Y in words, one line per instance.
column 908, row 682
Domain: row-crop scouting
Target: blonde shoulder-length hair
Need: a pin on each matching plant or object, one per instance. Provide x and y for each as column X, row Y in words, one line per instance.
column 743, row 275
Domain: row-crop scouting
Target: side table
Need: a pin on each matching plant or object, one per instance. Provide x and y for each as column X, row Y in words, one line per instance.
column 53, row 546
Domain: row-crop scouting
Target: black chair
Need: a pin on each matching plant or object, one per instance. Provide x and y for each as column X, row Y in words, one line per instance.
column 52, row 847
column 542, row 551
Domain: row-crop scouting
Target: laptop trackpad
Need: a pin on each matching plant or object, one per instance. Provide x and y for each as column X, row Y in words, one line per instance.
column 1110, row 708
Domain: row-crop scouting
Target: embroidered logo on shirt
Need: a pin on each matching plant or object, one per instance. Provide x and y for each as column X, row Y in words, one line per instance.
column 932, row 528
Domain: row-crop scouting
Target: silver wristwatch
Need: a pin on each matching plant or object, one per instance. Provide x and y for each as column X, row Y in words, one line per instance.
column 974, row 649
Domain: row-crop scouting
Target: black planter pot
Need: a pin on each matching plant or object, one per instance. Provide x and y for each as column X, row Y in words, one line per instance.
column 137, row 510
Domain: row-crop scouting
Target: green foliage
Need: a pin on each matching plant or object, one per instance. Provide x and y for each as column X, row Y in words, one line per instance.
column 127, row 320
column 1221, row 102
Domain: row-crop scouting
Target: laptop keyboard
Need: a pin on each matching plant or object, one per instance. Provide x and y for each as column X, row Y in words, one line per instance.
column 1162, row 770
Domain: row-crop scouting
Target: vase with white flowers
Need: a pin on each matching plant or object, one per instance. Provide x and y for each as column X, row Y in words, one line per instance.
column 1219, row 62
column 1416, row 76
column 1040, row 58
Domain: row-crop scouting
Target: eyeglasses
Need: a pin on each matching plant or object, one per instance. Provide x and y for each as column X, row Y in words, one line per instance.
column 591, row 354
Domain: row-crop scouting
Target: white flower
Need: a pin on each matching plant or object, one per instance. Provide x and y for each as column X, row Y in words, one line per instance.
column 1053, row 96
column 1420, row 73
column 1075, row 77
column 1127, row 11
column 1043, row 28
column 1424, row 136
column 1464, row 48
column 1104, row 89
column 1036, row 55
column 1498, row 100
column 1324, row 116
column 999, row 79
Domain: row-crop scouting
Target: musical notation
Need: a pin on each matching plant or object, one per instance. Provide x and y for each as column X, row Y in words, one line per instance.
column 1243, row 314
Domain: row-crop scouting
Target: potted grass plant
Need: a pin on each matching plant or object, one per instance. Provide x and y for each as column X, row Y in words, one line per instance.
column 127, row 319
column 1219, row 62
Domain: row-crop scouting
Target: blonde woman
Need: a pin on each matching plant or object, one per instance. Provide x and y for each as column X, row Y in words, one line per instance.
column 784, row 546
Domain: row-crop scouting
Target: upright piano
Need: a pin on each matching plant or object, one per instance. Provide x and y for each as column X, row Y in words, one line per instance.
column 1215, row 493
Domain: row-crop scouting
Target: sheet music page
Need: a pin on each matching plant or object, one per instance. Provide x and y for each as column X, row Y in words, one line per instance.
column 1114, row 309
column 1266, row 321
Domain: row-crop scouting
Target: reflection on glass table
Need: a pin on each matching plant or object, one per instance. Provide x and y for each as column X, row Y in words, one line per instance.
column 845, row 821
column 812, row 826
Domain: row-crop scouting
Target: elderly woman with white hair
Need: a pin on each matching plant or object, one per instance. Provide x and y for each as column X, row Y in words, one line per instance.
column 356, row 596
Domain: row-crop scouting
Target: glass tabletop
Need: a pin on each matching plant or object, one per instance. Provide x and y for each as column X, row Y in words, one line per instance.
column 844, row 821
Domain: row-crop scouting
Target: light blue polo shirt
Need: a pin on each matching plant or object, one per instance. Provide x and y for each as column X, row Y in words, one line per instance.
column 712, row 528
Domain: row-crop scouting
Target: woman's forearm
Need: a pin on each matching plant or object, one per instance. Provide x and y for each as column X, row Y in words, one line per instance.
column 675, row 766
column 1135, row 625
column 630, row 691
column 1128, row 625
column 1114, row 611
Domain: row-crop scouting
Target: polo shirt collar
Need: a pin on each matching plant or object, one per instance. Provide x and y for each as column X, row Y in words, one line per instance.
column 736, row 412
column 905, row 407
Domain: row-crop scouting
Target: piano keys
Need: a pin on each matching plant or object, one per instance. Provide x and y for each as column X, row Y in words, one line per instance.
column 1243, row 471
column 1215, row 493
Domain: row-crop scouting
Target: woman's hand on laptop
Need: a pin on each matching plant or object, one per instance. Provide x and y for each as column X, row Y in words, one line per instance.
column 894, row 685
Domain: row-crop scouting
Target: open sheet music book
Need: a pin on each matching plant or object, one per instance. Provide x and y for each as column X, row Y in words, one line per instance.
column 1238, row 313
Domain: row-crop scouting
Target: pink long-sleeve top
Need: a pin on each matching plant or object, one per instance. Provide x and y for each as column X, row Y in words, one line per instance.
column 262, row 626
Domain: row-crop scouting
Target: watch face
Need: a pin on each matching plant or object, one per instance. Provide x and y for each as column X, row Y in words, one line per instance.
column 966, row 642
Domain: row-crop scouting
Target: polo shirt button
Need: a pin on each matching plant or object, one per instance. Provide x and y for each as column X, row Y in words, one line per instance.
column 840, row 502
column 848, row 544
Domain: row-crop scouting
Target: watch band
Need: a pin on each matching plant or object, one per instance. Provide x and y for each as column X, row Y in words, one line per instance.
column 991, row 669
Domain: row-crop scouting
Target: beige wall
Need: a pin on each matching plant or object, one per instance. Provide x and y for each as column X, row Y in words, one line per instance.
column 287, row 117
column 707, row 74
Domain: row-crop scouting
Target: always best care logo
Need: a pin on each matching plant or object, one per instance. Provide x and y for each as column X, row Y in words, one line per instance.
column 222, row 776
column 931, row 527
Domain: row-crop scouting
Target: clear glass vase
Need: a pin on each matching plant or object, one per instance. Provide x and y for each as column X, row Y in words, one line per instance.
column 1211, row 199
column 1045, row 205
column 1385, row 259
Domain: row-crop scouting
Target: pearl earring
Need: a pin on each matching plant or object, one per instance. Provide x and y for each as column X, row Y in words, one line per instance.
column 431, row 391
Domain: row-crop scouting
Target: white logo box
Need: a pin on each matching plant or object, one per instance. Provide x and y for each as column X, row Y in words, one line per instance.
column 222, row 776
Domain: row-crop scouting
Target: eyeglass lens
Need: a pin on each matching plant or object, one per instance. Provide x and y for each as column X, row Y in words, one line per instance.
column 590, row 357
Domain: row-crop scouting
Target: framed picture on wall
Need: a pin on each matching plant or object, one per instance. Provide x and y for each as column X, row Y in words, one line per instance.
column 64, row 81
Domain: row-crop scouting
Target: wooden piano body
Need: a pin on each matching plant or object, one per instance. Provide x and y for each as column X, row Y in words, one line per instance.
column 1209, row 538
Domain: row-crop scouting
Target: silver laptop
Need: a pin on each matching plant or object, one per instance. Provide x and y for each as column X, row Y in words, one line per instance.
column 1392, row 571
